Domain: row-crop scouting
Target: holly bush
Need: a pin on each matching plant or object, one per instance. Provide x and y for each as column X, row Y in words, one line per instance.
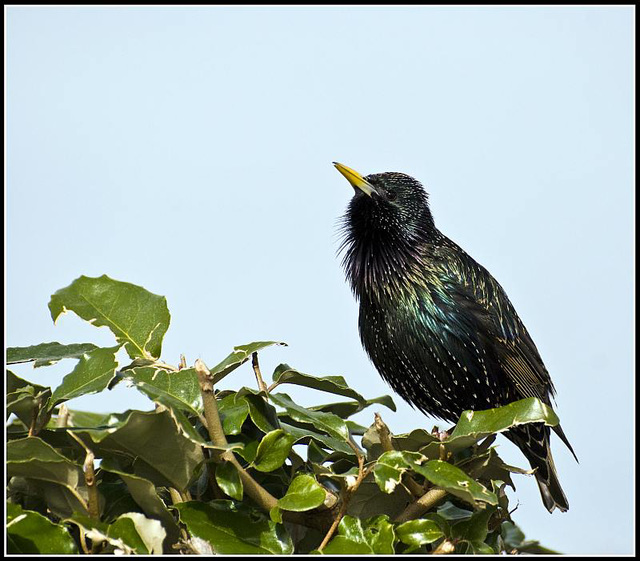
column 216, row 470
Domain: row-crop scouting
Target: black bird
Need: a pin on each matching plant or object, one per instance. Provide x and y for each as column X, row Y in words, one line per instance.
column 435, row 323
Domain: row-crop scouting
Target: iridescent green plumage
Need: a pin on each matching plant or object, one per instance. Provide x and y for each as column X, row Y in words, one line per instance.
column 436, row 325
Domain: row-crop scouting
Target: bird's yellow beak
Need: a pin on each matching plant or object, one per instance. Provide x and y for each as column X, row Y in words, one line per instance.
column 355, row 179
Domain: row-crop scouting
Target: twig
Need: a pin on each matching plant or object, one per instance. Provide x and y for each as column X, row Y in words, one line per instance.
column 383, row 432
column 63, row 416
column 260, row 495
column 430, row 499
column 336, row 522
column 211, row 415
column 256, row 369
column 348, row 492
column 175, row 495
column 93, row 501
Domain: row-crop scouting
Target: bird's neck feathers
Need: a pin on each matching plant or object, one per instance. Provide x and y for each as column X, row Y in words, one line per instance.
column 383, row 259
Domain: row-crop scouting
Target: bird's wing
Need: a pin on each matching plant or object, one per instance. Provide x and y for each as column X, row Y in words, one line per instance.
column 474, row 291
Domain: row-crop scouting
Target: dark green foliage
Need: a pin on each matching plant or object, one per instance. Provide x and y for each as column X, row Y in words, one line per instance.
column 161, row 487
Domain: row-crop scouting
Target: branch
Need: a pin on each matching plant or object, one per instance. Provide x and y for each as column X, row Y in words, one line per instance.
column 347, row 493
column 425, row 503
column 383, row 433
column 260, row 495
column 93, row 500
column 256, row 369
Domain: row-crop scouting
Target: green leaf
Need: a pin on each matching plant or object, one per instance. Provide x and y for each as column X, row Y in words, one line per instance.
column 474, row 547
column 177, row 390
column 228, row 480
column 142, row 534
column 33, row 458
column 326, row 422
column 263, row 414
column 368, row 501
column 341, row 545
column 304, row 493
column 238, row 356
column 232, row 529
column 306, row 433
column 47, row 353
column 390, row 467
column 249, row 448
column 153, row 441
column 489, row 466
column 90, row 419
column 186, row 428
column 380, row 534
column 344, row 409
column 418, row 532
column 455, row 481
column 30, row 532
column 145, row 495
column 92, row 374
column 273, row 450
column 316, row 454
column 24, row 399
column 473, row 426
column 100, row 533
column 284, row 374
column 375, row 535
column 138, row 318
column 474, row 529
column 15, row 384
column 351, row 528
column 276, row 514
column 413, row 441
column 124, row 529
column 512, row 535
column 449, row 511
column 233, row 412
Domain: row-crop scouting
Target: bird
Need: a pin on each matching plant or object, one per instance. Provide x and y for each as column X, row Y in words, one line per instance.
column 436, row 325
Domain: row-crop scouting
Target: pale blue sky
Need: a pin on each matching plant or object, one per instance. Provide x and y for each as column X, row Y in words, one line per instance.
column 189, row 150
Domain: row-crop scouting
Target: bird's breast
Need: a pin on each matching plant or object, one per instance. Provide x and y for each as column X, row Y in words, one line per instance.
column 415, row 348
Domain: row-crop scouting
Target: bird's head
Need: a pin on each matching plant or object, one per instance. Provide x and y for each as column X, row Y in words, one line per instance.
column 391, row 202
column 386, row 226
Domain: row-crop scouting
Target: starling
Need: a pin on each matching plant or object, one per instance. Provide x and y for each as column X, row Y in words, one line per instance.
column 436, row 325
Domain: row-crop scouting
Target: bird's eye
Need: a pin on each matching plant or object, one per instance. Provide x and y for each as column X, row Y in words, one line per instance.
column 392, row 195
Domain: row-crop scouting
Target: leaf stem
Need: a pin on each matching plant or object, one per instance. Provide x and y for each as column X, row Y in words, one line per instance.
column 256, row 369
column 35, row 412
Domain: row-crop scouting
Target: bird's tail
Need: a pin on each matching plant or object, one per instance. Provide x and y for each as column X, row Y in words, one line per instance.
column 533, row 440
